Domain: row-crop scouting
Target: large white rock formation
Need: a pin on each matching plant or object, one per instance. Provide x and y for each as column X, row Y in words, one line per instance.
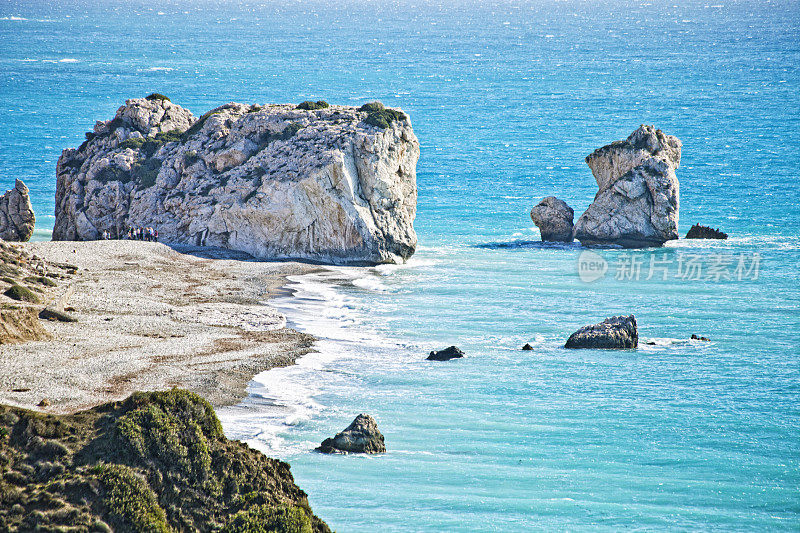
column 272, row 181
column 638, row 197
column 16, row 214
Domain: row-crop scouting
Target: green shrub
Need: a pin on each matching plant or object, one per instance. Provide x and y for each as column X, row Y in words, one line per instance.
column 112, row 173
column 41, row 280
column 157, row 96
column 134, row 143
column 270, row 519
column 21, row 294
column 174, row 428
column 312, row 106
column 254, row 108
column 372, row 107
column 146, row 171
column 131, row 503
column 379, row 116
column 169, row 136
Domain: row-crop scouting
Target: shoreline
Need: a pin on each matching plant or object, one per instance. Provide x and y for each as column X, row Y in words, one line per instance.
column 154, row 317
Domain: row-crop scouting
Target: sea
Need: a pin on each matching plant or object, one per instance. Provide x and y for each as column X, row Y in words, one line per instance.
column 507, row 98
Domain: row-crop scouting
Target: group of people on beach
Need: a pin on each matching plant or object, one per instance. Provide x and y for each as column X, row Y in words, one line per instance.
column 134, row 234
column 143, row 234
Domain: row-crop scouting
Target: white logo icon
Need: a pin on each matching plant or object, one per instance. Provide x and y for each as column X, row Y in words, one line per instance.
column 591, row 266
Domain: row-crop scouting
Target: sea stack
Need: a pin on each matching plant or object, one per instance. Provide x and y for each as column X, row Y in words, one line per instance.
column 326, row 183
column 553, row 217
column 617, row 332
column 636, row 205
column 361, row 436
column 16, row 214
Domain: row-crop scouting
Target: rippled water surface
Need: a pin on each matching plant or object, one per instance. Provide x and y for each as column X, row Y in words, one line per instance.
column 506, row 99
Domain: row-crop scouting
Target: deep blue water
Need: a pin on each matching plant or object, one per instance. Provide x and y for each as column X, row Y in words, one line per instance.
column 506, row 99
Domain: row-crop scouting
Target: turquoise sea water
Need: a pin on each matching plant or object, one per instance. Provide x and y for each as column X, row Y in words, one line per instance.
column 507, row 98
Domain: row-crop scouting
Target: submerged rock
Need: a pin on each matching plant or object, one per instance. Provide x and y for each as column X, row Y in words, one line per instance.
column 275, row 181
column 704, row 232
column 617, row 332
column 553, row 217
column 638, row 198
column 361, row 436
column 445, row 355
column 17, row 218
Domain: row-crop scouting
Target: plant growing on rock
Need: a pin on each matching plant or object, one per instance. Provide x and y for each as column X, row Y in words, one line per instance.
column 379, row 116
column 157, row 96
column 154, row 462
column 313, row 106
column 21, row 294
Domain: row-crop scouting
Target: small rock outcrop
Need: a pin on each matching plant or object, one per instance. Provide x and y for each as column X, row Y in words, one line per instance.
column 361, row 436
column 617, row 332
column 527, row 347
column 451, row 352
column 704, row 232
column 699, row 338
column 16, row 214
column 637, row 202
column 553, row 217
column 333, row 184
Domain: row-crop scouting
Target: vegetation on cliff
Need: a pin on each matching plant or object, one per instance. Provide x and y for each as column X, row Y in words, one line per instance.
column 155, row 462
column 379, row 116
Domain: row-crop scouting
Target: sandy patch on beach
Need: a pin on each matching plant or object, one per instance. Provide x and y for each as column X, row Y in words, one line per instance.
column 152, row 317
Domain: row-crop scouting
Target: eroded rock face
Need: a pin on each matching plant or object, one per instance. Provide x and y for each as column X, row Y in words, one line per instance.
column 16, row 214
column 361, row 436
column 617, row 332
column 638, row 198
column 275, row 182
column 553, row 217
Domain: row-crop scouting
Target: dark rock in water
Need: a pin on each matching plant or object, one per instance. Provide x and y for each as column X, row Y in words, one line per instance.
column 445, row 355
column 49, row 313
column 651, row 343
column 704, row 232
column 553, row 217
column 362, row 436
column 527, row 347
column 696, row 338
column 617, row 332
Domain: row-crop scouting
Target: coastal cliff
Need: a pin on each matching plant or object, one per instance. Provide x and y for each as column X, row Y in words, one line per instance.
column 155, row 462
column 324, row 183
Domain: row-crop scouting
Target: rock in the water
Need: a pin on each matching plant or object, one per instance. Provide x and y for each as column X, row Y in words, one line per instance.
column 638, row 198
column 362, row 436
column 704, row 232
column 617, row 332
column 445, row 355
column 16, row 214
column 527, row 347
column 698, row 338
column 553, row 217
column 272, row 181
